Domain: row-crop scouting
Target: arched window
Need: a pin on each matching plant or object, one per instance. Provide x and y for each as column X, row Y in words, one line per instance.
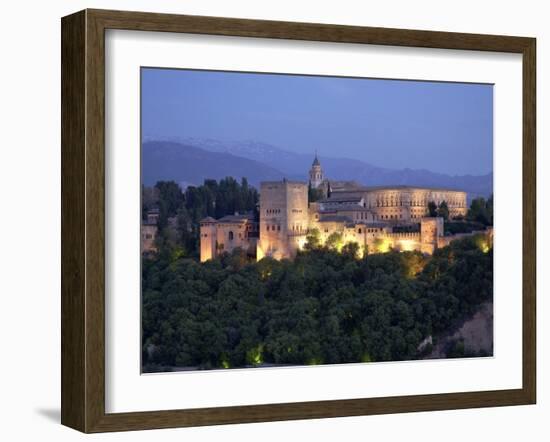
column 230, row 235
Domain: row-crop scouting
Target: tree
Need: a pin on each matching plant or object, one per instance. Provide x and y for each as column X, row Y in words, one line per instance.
column 443, row 210
column 324, row 307
column 170, row 199
column 213, row 198
column 351, row 249
column 432, row 209
column 314, row 195
column 481, row 211
column 335, row 241
column 313, row 239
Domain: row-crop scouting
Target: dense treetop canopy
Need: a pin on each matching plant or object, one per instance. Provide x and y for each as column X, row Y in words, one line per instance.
column 325, row 307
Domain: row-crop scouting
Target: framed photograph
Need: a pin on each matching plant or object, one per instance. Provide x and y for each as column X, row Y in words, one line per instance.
column 268, row 220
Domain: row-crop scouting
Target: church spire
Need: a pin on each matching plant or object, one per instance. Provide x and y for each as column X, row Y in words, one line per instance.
column 316, row 173
column 316, row 160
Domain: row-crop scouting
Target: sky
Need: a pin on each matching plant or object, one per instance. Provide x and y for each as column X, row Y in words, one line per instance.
column 442, row 127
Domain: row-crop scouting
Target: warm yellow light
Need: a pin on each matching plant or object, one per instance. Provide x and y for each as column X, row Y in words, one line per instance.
column 414, row 264
column 382, row 245
column 259, row 253
column 407, row 245
column 483, row 244
column 254, row 356
column 265, row 274
column 366, row 358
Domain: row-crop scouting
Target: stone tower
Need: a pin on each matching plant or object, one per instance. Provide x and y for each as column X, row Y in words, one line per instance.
column 283, row 218
column 208, row 238
column 316, row 173
column 430, row 230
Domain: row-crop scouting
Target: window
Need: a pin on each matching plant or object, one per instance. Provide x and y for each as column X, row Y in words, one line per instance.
column 360, row 231
column 230, row 235
column 279, row 228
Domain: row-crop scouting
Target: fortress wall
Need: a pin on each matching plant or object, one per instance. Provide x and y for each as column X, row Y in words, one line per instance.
column 328, row 228
column 404, row 235
column 446, row 240
column 238, row 233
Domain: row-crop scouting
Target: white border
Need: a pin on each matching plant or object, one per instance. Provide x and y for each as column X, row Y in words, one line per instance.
column 127, row 390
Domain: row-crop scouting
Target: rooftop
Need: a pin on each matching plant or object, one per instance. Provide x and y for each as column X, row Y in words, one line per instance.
column 396, row 187
column 284, row 180
column 348, row 207
column 335, row 219
column 236, row 218
column 341, row 198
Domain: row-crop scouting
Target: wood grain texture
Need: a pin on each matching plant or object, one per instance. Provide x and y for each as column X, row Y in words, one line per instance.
column 73, row 254
column 83, row 219
column 529, row 221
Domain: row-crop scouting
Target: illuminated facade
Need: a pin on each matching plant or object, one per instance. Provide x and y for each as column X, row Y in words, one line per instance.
column 227, row 234
column 376, row 218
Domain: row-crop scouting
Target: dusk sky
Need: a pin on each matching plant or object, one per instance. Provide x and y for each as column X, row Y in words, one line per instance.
column 442, row 127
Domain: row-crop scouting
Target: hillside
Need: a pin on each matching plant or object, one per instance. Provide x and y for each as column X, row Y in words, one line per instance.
column 165, row 160
column 197, row 159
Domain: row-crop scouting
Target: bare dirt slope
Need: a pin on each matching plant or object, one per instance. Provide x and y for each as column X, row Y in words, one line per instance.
column 476, row 333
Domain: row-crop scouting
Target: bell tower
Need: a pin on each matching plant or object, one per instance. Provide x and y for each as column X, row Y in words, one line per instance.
column 316, row 173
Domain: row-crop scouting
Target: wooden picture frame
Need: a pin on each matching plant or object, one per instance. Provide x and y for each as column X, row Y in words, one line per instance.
column 83, row 220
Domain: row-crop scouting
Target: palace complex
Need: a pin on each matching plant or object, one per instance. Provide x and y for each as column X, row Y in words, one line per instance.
column 376, row 218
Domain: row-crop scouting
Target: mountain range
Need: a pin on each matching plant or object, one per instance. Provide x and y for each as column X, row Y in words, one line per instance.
column 191, row 160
